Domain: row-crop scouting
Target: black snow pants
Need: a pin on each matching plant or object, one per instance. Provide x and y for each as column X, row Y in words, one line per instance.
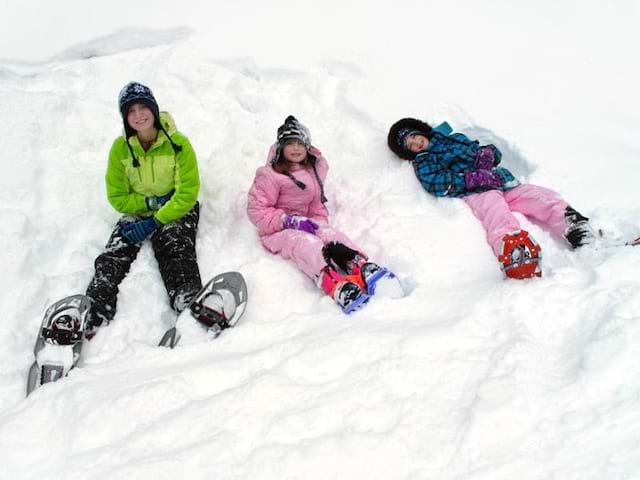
column 174, row 246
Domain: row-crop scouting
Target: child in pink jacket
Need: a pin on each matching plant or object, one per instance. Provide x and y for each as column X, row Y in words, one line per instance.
column 450, row 164
column 287, row 205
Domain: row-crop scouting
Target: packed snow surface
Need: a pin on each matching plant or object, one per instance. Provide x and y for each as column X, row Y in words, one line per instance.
column 467, row 377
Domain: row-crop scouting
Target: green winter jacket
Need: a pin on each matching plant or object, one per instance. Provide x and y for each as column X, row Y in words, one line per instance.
column 161, row 170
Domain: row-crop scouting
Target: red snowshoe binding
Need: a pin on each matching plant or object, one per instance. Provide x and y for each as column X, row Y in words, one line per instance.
column 346, row 290
column 521, row 256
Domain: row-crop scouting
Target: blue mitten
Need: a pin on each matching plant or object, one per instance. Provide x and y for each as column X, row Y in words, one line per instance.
column 136, row 232
column 162, row 199
column 154, row 203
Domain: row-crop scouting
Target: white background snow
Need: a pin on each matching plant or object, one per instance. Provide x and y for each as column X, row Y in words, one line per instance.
column 468, row 377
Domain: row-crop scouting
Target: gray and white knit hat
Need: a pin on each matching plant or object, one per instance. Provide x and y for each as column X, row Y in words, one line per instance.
column 292, row 129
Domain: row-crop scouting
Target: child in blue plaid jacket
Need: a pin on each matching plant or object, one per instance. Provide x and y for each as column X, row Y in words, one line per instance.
column 452, row 165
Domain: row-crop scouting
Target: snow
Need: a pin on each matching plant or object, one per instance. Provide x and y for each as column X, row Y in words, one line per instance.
column 468, row 377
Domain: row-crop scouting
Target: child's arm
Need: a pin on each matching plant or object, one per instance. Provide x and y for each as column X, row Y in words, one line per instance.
column 261, row 208
column 438, row 180
column 119, row 192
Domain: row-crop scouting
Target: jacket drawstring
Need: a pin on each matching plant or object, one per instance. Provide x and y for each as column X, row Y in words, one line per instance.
column 302, row 186
column 136, row 163
column 323, row 199
column 176, row 148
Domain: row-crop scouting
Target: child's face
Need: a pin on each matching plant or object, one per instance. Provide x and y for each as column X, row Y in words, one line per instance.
column 140, row 117
column 416, row 143
column 294, row 151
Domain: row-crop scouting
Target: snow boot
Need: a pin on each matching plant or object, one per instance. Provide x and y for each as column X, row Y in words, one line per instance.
column 346, row 290
column 578, row 232
column 376, row 279
column 521, row 256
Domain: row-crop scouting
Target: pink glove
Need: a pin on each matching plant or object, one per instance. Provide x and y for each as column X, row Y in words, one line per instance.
column 296, row 222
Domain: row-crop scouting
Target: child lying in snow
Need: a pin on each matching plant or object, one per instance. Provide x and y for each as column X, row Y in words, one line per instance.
column 452, row 165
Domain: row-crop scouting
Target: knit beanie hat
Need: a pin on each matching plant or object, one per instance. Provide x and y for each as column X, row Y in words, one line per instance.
column 292, row 129
column 403, row 129
column 134, row 92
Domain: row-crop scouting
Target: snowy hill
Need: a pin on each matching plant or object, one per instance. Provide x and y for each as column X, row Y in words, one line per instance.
column 468, row 377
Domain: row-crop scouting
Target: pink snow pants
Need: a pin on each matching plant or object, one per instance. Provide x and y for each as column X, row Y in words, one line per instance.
column 305, row 249
column 494, row 210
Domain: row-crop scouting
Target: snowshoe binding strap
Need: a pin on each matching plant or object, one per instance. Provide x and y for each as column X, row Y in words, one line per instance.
column 59, row 342
column 521, row 256
column 227, row 293
column 65, row 321
column 208, row 316
column 65, row 330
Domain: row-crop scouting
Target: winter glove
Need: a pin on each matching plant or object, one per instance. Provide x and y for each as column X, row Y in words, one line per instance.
column 481, row 179
column 296, row 222
column 154, row 203
column 485, row 158
column 136, row 232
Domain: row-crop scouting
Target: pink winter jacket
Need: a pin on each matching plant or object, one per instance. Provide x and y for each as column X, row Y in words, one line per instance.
column 274, row 194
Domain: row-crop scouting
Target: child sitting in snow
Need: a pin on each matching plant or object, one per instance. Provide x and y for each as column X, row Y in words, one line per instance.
column 451, row 165
column 287, row 205
column 152, row 179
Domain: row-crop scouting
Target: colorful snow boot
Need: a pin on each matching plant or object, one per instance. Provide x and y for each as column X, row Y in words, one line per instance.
column 521, row 256
column 346, row 290
column 377, row 280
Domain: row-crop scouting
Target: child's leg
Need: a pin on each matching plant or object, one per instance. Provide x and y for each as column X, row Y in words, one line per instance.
column 304, row 249
column 541, row 204
column 493, row 212
column 329, row 234
column 112, row 267
column 174, row 246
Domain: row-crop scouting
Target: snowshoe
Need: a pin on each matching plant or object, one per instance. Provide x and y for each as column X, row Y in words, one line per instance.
column 217, row 306
column 521, row 256
column 349, row 296
column 380, row 281
column 348, row 291
column 620, row 243
column 59, row 343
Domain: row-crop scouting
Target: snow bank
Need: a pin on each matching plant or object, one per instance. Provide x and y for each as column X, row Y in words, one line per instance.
column 468, row 377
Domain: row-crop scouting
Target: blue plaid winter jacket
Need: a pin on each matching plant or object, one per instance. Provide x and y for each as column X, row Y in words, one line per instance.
column 440, row 168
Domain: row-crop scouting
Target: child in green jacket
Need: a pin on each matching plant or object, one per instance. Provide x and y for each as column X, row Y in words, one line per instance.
column 152, row 179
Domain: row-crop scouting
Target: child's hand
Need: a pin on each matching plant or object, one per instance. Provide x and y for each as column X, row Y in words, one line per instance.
column 481, row 179
column 296, row 222
column 485, row 158
column 136, row 232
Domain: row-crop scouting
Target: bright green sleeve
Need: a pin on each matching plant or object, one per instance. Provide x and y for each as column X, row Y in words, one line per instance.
column 119, row 192
column 187, row 184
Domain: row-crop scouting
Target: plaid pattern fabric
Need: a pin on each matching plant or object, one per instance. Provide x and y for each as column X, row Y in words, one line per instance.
column 440, row 168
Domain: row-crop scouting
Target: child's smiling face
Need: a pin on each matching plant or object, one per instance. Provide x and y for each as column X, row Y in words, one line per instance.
column 294, row 151
column 416, row 143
